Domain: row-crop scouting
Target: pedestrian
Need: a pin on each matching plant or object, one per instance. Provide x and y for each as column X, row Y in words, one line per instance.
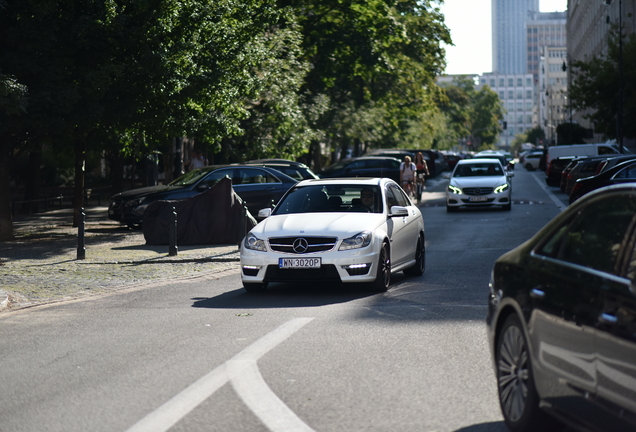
column 422, row 174
column 197, row 161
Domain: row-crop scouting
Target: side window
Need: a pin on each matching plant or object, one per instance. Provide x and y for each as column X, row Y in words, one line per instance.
column 627, row 173
column 602, row 150
column 593, row 238
column 390, row 199
column 214, row 177
column 253, row 176
column 399, row 195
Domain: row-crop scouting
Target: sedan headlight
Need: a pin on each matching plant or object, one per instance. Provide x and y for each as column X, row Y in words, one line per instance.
column 254, row 243
column 360, row 240
column 135, row 202
column 502, row 188
column 454, row 190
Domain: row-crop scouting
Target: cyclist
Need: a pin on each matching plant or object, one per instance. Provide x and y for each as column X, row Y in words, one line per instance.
column 407, row 175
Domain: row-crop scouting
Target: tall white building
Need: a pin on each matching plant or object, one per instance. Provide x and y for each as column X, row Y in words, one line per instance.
column 509, row 35
column 543, row 29
column 517, row 93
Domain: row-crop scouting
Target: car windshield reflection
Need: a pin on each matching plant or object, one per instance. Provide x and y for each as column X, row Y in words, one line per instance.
column 190, row 177
column 332, row 198
column 478, row 170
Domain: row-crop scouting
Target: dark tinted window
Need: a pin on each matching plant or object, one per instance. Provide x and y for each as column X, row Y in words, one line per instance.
column 627, row 173
column 593, row 238
column 399, row 196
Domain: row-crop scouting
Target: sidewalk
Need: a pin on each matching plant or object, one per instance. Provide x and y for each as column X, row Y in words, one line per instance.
column 41, row 266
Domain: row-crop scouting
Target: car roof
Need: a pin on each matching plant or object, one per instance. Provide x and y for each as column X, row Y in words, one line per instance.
column 478, row 160
column 275, row 162
column 365, row 181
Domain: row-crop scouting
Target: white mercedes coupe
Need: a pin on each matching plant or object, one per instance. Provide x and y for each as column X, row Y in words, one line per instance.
column 347, row 230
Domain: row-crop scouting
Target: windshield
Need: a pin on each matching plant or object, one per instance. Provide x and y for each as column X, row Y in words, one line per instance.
column 331, row 198
column 190, row 177
column 478, row 170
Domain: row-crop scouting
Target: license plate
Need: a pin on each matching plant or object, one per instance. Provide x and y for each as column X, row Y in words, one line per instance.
column 478, row 198
column 297, row 263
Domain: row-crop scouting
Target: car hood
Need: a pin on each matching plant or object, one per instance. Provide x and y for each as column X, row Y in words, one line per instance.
column 485, row 181
column 318, row 224
column 150, row 190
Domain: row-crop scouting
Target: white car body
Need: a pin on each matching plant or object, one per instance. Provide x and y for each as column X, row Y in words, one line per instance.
column 471, row 185
column 299, row 236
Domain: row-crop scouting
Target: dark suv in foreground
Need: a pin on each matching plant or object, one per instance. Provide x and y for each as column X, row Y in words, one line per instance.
column 562, row 319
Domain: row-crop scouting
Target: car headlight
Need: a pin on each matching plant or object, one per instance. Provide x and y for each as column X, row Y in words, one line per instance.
column 360, row 240
column 254, row 243
column 454, row 190
column 135, row 202
column 502, row 188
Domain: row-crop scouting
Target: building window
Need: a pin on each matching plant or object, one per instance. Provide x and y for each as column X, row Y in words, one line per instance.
column 501, row 95
column 528, row 94
column 519, row 82
column 519, row 106
column 501, row 82
column 511, row 94
column 492, row 82
column 528, row 82
column 519, row 94
column 510, row 82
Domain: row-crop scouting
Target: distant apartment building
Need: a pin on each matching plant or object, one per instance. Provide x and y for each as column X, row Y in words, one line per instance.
column 554, row 106
column 543, row 29
column 518, row 94
column 509, row 35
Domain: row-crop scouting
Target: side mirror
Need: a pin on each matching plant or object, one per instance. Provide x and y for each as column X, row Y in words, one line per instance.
column 264, row 213
column 398, row 211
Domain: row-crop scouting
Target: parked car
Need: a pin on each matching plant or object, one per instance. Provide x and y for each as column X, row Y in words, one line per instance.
column 437, row 163
column 555, row 168
column 531, row 160
column 562, row 320
column 295, row 170
column 478, row 183
column 259, row 187
column 585, row 167
column 622, row 173
column 613, row 161
column 452, row 159
column 365, row 166
column 336, row 230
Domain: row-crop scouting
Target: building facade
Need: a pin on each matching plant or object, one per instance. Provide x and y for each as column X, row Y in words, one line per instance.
column 588, row 27
column 554, row 106
column 509, row 35
column 518, row 94
column 543, row 29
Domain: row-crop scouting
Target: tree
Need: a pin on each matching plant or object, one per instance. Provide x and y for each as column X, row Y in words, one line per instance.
column 595, row 87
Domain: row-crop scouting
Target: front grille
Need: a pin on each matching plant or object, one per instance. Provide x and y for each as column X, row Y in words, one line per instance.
column 304, row 245
column 478, row 191
column 327, row 272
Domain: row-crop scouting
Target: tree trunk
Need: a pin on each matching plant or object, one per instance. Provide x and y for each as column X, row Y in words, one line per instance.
column 6, row 219
column 80, row 169
column 32, row 191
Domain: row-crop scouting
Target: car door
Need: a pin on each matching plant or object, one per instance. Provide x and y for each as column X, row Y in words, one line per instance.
column 616, row 338
column 404, row 228
column 572, row 269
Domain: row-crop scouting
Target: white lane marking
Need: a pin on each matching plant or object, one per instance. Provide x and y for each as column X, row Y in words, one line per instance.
column 168, row 414
column 557, row 201
column 252, row 388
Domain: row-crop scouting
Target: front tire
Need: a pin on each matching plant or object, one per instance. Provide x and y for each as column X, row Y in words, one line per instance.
column 254, row 287
column 420, row 260
column 383, row 276
column 518, row 396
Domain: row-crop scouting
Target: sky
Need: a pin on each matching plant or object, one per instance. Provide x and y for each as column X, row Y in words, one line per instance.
column 470, row 24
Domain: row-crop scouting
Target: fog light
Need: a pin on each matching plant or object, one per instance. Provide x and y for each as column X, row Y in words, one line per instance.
column 251, row 270
column 357, row 269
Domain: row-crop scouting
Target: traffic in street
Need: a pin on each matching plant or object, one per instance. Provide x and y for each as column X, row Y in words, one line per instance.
column 205, row 355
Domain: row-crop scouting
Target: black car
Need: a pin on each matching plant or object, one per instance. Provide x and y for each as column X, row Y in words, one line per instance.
column 296, row 170
column 258, row 186
column 555, row 169
column 365, row 166
column 562, row 319
column 624, row 172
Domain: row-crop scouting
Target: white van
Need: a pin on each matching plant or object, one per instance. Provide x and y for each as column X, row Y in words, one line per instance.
column 607, row 148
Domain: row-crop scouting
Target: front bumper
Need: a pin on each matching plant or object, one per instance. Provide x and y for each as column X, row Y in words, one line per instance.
column 463, row 200
column 350, row 266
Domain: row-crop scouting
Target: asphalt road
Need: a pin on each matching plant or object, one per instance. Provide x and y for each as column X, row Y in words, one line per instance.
column 203, row 355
